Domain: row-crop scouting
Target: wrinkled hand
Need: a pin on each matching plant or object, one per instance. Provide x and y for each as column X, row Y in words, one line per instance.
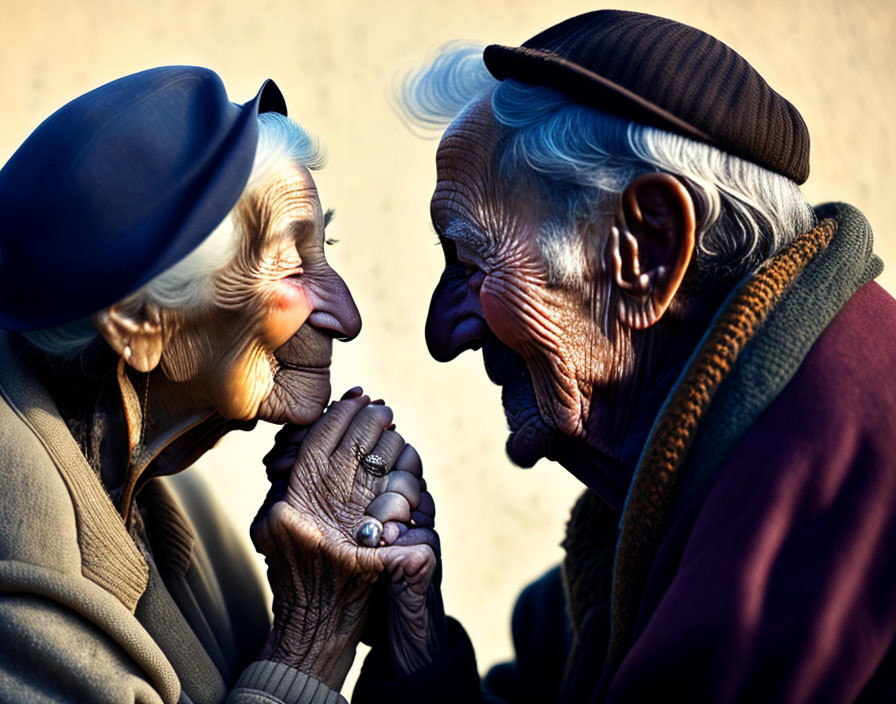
column 320, row 577
column 414, row 624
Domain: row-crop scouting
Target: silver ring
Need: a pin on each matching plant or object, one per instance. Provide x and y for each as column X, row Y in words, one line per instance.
column 375, row 465
column 370, row 532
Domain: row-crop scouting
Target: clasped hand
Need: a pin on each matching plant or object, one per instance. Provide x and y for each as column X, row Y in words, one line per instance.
column 322, row 494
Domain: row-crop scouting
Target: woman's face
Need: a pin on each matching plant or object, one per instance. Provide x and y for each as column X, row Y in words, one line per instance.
column 263, row 348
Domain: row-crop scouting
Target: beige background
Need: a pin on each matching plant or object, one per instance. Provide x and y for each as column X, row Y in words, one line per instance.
column 500, row 526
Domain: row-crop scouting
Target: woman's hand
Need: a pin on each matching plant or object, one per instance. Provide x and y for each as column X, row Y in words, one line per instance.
column 324, row 478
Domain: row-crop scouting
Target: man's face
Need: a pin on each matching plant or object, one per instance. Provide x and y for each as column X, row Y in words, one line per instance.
column 539, row 337
column 262, row 350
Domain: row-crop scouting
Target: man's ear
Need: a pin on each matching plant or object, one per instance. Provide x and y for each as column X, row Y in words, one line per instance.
column 134, row 331
column 651, row 247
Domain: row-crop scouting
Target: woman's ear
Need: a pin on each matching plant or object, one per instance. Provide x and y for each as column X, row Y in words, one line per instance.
column 650, row 247
column 134, row 331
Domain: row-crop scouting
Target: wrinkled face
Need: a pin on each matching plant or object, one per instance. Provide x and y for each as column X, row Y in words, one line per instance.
column 539, row 337
column 262, row 349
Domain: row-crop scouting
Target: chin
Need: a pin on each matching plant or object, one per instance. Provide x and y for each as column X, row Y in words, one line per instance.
column 298, row 396
column 530, row 437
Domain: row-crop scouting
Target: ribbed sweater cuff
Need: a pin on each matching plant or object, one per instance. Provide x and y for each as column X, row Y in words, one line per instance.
column 267, row 681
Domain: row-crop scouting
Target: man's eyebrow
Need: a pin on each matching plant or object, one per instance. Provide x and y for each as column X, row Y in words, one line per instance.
column 459, row 230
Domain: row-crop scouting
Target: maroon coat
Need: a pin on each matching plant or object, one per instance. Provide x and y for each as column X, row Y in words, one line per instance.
column 777, row 581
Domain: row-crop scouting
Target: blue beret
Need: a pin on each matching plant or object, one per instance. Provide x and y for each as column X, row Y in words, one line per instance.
column 117, row 186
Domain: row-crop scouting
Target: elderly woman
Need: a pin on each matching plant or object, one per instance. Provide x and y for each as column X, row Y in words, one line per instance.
column 625, row 240
column 163, row 281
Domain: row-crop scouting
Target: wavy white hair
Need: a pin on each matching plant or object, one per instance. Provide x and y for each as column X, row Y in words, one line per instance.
column 186, row 284
column 587, row 157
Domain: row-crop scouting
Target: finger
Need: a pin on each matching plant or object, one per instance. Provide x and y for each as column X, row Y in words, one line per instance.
column 279, row 461
column 422, row 519
column 389, row 507
column 278, row 451
column 409, row 461
column 372, row 466
column 275, row 493
column 362, row 433
column 381, row 459
column 290, row 434
column 281, row 458
column 411, row 567
column 327, row 431
column 427, row 505
column 420, row 536
column 353, row 392
column 391, row 531
column 406, row 484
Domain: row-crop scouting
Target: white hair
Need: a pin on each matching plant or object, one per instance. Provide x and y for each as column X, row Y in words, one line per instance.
column 587, row 157
column 187, row 284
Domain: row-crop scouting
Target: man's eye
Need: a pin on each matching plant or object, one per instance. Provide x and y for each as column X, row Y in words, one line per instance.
column 449, row 250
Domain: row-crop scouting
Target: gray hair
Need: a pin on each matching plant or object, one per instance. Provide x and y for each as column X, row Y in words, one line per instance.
column 187, row 284
column 587, row 157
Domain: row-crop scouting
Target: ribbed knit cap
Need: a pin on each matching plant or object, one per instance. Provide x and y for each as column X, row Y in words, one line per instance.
column 663, row 73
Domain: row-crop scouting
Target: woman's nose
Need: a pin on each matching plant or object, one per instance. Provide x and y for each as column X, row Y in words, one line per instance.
column 335, row 312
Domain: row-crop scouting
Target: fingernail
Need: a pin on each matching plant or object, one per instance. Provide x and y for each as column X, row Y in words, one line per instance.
column 378, row 402
column 354, row 392
column 391, row 531
column 391, row 427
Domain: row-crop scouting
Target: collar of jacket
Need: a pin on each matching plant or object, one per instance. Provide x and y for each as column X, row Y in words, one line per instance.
column 752, row 349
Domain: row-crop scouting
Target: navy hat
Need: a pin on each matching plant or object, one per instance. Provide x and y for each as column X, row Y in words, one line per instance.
column 667, row 74
column 117, row 186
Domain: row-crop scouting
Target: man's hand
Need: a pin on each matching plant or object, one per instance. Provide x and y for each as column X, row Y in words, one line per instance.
column 320, row 577
column 415, row 620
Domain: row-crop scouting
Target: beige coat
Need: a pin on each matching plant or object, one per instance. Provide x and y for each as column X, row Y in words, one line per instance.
column 169, row 611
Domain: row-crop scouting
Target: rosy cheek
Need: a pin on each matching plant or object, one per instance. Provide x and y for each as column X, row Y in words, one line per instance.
column 288, row 309
column 500, row 318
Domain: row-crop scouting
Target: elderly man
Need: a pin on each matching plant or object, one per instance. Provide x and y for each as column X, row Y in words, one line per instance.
column 626, row 242
column 163, row 281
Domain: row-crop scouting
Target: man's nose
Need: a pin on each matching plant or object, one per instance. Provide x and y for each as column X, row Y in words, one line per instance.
column 335, row 312
column 455, row 321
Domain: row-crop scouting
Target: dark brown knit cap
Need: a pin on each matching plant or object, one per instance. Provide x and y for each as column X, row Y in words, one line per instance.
column 666, row 74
